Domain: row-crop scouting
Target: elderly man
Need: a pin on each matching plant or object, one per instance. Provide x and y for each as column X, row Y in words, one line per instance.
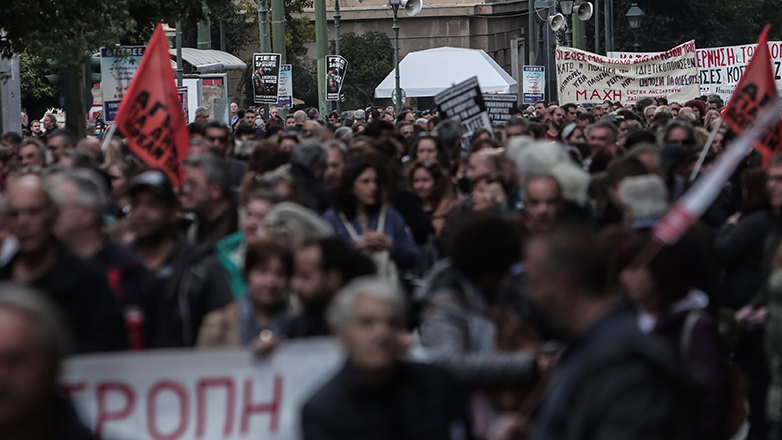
column 543, row 204
column 32, row 154
column 50, row 122
column 206, row 193
column 377, row 395
column 33, row 343
column 202, row 115
column 335, row 164
column 80, row 290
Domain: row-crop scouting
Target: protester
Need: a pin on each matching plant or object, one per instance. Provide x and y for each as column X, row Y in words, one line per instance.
column 32, row 153
column 193, row 282
column 34, row 341
column 262, row 314
column 433, row 188
column 362, row 216
column 80, row 291
column 615, row 382
column 309, row 162
column 322, row 268
column 207, row 194
column 377, row 394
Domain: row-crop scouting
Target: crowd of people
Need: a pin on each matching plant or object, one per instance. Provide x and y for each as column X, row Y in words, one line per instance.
column 498, row 285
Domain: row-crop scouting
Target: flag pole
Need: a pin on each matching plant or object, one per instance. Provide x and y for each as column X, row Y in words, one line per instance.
column 705, row 151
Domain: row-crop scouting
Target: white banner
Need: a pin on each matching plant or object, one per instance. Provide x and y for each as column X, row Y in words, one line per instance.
column 586, row 77
column 720, row 68
column 192, row 395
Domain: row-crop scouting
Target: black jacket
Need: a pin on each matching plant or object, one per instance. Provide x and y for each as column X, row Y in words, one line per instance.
column 84, row 296
column 419, row 402
column 67, row 425
column 194, row 284
column 312, row 193
column 739, row 248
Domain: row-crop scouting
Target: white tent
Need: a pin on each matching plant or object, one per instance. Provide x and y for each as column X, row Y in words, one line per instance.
column 428, row 72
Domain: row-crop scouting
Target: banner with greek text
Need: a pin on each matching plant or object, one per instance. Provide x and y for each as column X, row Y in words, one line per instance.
column 586, row 77
column 266, row 77
column 499, row 106
column 721, row 68
column 190, row 395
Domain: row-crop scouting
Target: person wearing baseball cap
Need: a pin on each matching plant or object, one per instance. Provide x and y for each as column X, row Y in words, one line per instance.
column 193, row 282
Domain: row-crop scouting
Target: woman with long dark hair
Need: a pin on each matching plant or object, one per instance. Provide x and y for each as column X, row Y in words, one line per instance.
column 362, row 216
column 432, row 187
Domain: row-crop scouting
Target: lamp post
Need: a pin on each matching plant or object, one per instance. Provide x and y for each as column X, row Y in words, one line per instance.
column 634, row 16
column 566, row 6
column 395, row 4
column 337, row 16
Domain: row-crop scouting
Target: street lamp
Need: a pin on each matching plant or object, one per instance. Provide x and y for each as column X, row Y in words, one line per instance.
column 337, row 16
column 412, row 8
column 634, row 16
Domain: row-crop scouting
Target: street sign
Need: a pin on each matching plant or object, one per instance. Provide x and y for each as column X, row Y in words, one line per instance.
column 118, row 65
column 534, row 84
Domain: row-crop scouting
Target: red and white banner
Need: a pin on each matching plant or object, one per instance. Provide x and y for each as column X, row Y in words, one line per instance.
column 193, row 395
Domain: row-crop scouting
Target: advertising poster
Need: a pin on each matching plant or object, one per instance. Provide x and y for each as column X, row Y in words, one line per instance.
column 118, row 65
column 285, row 87
column 266, row 77
column 533, row 80
column 335, row 76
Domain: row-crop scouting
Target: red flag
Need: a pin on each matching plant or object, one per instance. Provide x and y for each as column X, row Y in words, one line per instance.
column 150, row 115
column 752, row 96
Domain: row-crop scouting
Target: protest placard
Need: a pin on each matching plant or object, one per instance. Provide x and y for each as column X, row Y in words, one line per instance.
column 721, row 68
column 498, row 105
column 464, row 103
column 118, row 65
column 266, row 77
column 150, row 115
column 195, row 395
column 586, row 77
column 335, row 76
column 533, row 80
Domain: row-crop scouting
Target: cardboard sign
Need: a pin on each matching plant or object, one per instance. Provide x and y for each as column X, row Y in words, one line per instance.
column 150, row 115
column 464, row 103
column 117, row 68
column 584, row 77
column 533, row 80
column 196, row 395
column 266, row 77
column 335, row 76
column 499, row 105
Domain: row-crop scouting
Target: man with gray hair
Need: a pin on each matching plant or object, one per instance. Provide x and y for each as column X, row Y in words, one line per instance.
column 206, row 192
column 202, row 115
column 377, row 394
column 80, row 290
column 81, row 197
column 32, row 153
column 33, row 342
column 308, row 164
column 644, row 200
column 335, row 165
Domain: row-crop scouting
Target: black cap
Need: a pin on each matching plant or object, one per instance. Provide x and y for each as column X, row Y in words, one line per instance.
column 157, row 182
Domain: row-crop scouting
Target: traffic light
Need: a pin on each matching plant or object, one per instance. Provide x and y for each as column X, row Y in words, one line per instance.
column 91, row 77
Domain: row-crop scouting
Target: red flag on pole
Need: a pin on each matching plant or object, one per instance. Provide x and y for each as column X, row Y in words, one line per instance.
column 150, row 115
column 752, row 96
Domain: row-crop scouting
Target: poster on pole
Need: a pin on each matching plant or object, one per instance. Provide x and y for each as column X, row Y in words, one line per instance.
column 182, row 91
column 336, row 66
column 499, row 105
column 584, row 77
column 285, row 87
column 118, row 65
column 533, row 80
column 721, row 68
column 266, row 77
column 464, row 103
column 199, row 394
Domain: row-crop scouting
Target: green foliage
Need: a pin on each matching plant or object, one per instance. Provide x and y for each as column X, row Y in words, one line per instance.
column 305, row 79
column 371, row 58
column 32, row 69
column 238, row 28
column 298, row 31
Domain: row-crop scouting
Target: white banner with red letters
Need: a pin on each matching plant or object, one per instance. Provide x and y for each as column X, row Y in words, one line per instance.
column 193, row 395
column 586, row 77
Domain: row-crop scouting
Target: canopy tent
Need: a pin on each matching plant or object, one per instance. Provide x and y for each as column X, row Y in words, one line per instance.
column 207, row 61
column 429, row 72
